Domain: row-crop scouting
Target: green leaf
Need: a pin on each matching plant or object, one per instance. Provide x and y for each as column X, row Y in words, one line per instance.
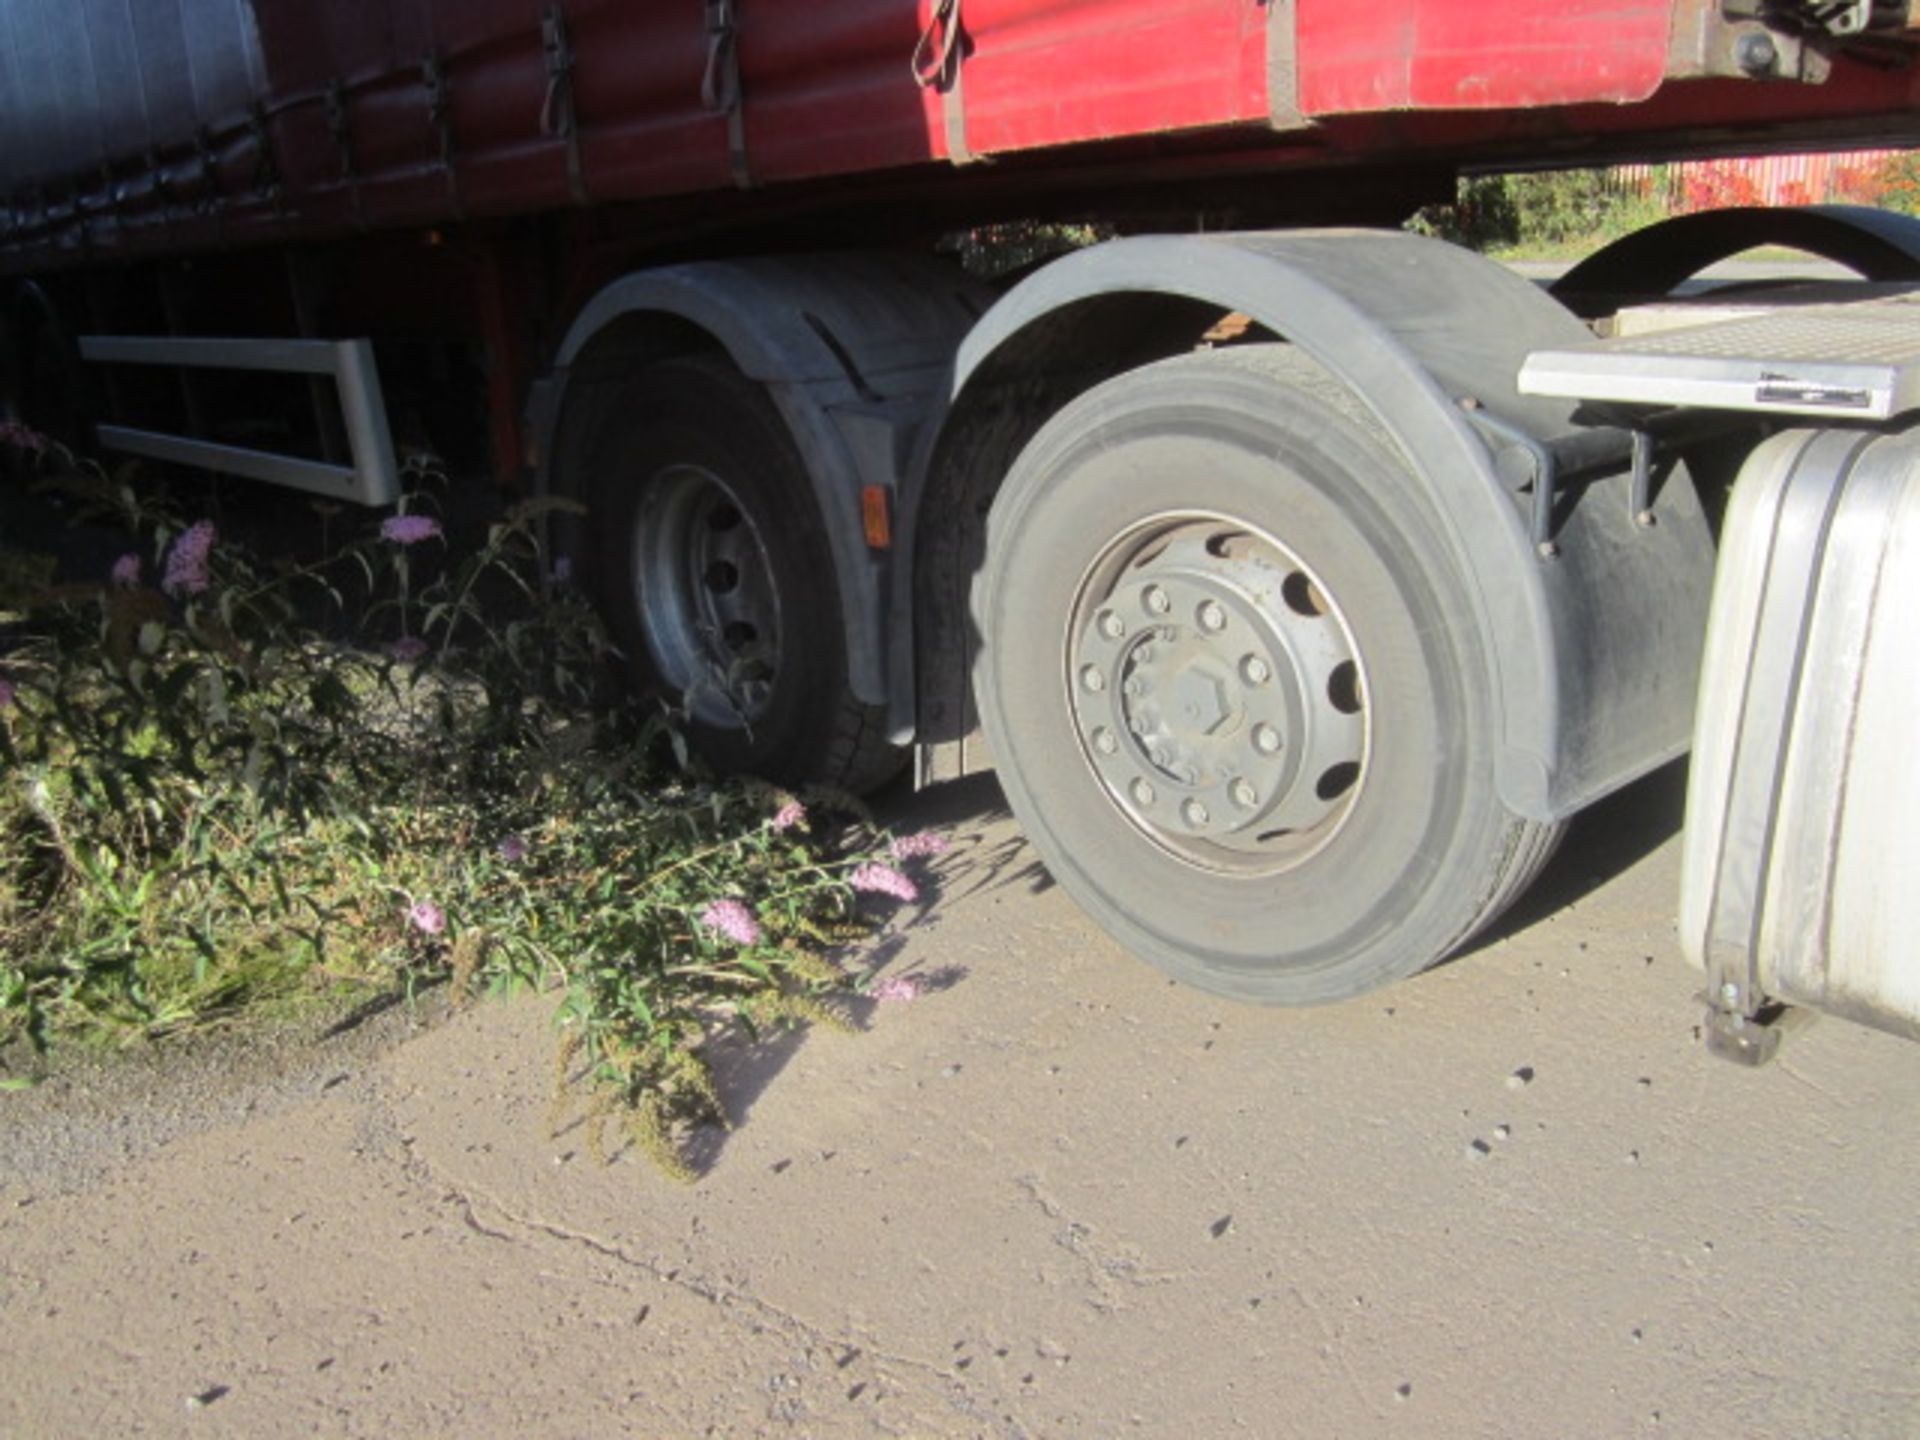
column 637, row 1003
column 208, row 955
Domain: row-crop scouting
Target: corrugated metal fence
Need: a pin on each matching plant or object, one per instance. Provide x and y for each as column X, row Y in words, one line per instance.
column 1850, row 175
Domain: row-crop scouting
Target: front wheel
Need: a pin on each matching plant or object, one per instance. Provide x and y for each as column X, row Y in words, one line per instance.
column 1234, row 687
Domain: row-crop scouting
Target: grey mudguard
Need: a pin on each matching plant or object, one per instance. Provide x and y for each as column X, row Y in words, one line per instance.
column 852, row 350
column 1597, row 648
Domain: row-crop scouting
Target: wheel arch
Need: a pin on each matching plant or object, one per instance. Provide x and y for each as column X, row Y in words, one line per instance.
column 1412, row 327
column 1878, row 244
column 850, row 350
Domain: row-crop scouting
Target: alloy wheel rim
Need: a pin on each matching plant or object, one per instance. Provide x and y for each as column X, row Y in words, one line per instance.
column 1217, row 693
column 705, row 593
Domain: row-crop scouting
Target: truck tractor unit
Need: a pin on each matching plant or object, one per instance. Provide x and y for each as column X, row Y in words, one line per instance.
column 1299, row 576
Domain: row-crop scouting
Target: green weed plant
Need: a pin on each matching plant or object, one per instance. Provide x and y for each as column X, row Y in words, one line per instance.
column 228, row 787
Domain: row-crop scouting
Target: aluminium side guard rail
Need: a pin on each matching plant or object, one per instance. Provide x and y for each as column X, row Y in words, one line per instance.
column 372, row 479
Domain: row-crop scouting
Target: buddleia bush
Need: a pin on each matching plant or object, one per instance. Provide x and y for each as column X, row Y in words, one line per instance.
column 227, row 787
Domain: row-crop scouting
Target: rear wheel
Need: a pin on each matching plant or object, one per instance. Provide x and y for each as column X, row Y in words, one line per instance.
column 708, row 556
column 1234, row 688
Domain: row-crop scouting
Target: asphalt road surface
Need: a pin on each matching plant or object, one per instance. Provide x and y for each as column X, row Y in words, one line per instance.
column 1053, row 1197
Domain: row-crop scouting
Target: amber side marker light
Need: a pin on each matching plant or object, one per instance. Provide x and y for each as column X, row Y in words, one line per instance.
column 876, row 516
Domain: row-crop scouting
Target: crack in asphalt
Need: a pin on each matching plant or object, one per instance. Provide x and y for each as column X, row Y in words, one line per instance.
column 958, row 1390
column 1102, row 1265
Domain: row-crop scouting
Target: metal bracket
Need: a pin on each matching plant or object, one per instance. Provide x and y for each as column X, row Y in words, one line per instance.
column 1749, row 40
column 557, row 117
column 1790, row 39
column 1844, row 19
column 1640, row 499
column 1748, row 1030
column 1545, row 472
column 1736, row 1036
column 1595, row 449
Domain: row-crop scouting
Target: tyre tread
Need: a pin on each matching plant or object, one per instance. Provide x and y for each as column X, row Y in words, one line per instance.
column 860, row 758
column 1530, row 844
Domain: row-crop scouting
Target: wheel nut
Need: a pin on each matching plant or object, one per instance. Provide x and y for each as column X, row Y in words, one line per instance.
column 1195, row 813
column 1111, row 625
column 1104, row 742
column 1155, row 599
column 1244, row 795
column 1143, row 655
column 1134, row 685
column 1266, row 739
column 1158, row 754
column 1091, row 677
column 1212, row 616
column 1142, row 792
column 1255, row 670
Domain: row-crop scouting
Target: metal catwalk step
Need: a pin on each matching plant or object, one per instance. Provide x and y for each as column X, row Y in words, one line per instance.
column 1853, row 360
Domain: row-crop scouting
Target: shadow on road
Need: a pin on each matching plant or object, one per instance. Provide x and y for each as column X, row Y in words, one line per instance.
column 972, row 813
column 1601, row 843
column 984, row 853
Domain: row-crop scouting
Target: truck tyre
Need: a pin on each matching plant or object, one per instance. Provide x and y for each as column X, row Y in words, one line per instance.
column 707, row 555
column 1234, row 688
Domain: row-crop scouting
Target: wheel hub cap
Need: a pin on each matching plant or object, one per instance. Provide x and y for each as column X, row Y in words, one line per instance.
column 1217, row 692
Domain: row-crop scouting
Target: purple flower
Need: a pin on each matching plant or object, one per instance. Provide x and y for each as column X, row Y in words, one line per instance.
column 903, row 988
column 732, row 919
column 407, row 648
column 789, row 815
column 883, row 880
column 563, row 570
column 187, row 561
column 6, row 692
column 926, row 842
column 126, row 571
column 409, row 529
column 16, row 436
column 513, row 849
column 427, row 917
